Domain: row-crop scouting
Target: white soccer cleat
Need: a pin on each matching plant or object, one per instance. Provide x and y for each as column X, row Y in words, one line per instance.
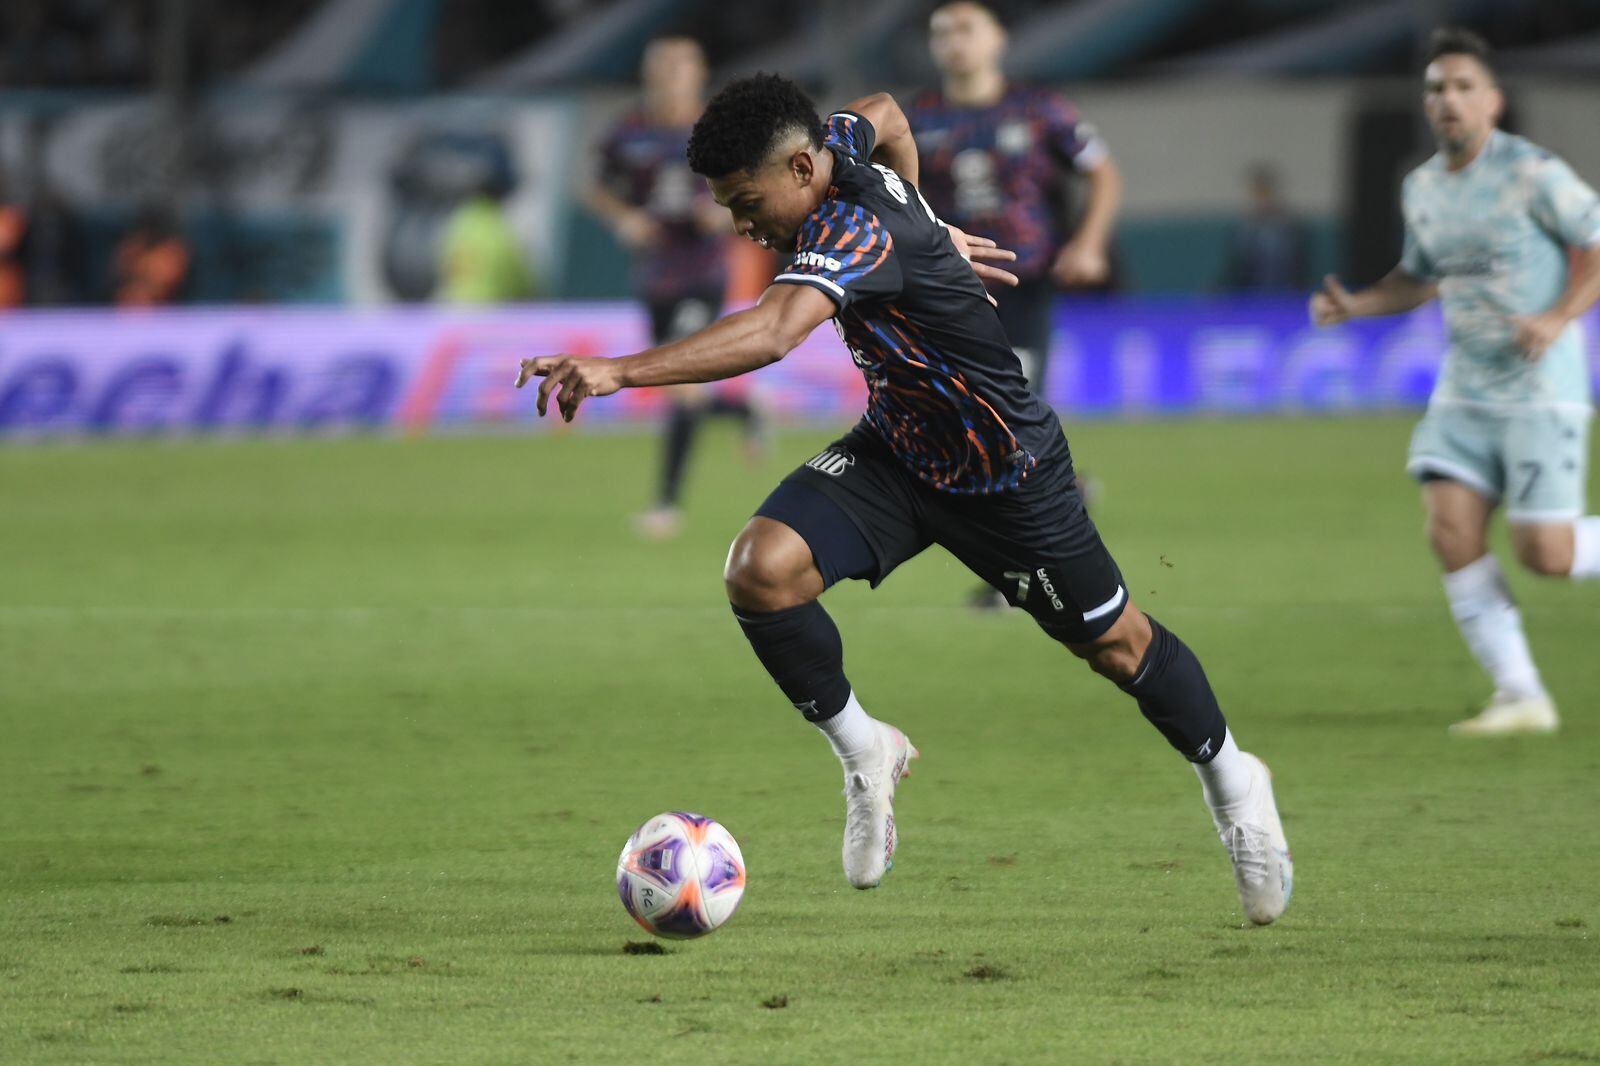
column 1509, row 716
column 1262, row 865
column 659, row 523
column 869, row 837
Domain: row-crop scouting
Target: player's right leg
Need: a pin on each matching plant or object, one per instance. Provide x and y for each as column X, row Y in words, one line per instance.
column 801, row 541
column 1457, row 454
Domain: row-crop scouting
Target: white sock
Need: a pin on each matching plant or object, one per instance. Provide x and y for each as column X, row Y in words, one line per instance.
column 1586, row 548
column 1226, row 778
column 852, row 731
column 1489, row 620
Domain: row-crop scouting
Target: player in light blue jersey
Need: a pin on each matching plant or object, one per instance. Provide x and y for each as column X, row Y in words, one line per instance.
column 1508, row 237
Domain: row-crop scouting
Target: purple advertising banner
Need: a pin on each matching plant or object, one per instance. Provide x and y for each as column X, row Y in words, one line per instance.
column 319, row 371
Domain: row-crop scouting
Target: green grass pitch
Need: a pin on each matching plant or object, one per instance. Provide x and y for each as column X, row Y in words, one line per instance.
column 323, row 751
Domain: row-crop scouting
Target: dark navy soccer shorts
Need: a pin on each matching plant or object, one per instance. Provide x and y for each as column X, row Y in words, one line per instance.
column 1035, row 544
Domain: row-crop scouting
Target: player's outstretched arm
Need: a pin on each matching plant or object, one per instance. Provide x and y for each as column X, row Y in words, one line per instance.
column 895, row 148
column 742, row 342
column 1395, row 292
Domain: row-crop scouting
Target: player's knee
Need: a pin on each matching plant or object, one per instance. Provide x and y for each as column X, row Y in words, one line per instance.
column 1456, row 543
column 763, row 574
column 1544, row 555
column 1118, row 654
column 1116, row 662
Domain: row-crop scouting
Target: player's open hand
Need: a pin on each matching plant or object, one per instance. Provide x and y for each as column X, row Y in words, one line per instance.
column 980, row 253
column 1331, row 304
column 571, row 379
column 1534, row 334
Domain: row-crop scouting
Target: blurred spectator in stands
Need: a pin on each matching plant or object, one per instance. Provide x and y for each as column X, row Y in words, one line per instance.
column 152, row 260
column 481, row 259
column 13, row 241
column 1267, row 252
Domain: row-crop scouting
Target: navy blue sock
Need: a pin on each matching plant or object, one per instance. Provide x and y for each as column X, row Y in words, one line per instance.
column 1175, row 696
column 801, row 649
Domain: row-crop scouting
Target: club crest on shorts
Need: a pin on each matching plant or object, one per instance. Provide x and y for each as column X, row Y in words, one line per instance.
column 831, row 461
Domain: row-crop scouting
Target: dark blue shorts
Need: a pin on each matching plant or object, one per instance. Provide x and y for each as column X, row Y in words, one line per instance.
column 863, row 513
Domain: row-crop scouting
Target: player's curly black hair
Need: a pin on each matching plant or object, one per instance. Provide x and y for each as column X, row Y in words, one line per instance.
column 744, row 121
column 1456, row 41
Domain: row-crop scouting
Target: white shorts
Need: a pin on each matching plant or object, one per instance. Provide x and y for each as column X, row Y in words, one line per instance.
column 1535, row 459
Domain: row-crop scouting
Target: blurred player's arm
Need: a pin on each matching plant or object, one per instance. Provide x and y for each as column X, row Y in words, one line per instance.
column 1077, row 148
column 741, row 342
column 1535, row 333
column 1568, row 208
column 631, row 225
column 1397, row 291
column 1085, row 258
column 895, row 148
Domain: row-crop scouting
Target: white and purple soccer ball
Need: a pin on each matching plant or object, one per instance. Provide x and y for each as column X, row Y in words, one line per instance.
column 681, row 875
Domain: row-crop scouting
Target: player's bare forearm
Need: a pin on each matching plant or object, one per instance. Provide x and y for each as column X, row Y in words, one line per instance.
column 1583, row 284
column 895, row 147
column 744, row 341
column 607, row 206
column 1534, row 334
column 1394, row 293
column 1105, row 200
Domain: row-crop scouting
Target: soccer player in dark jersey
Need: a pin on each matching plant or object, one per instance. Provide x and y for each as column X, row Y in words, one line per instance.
column 997, row 159
column 953, row 450
column 658, row 209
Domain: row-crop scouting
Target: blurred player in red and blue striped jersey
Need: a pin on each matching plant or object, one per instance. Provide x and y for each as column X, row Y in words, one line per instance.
column 662, row 212
column 1003, row 159
column 1000, row 159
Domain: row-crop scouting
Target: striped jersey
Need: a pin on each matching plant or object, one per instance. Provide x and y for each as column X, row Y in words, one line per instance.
column 945, row 391
column 1001, row 171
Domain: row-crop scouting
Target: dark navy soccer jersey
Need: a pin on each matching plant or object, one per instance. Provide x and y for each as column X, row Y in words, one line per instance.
column 646, row 164
column 999, row 171
column 945, row 390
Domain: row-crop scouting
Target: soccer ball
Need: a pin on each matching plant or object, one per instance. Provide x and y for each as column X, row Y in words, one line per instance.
column 681, row 875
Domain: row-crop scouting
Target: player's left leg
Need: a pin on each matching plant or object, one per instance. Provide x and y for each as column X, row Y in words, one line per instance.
column 1041, row 550
column 1150, row 663
column 1547, row 460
